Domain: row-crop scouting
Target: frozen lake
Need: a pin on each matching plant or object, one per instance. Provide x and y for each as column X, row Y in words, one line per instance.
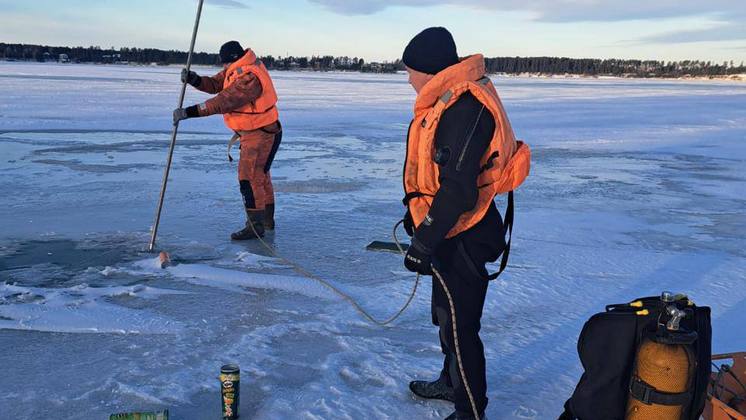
column 636, row 187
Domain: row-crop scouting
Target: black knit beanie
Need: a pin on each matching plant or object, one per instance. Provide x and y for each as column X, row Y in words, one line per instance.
column 230, row 52
column 431, row 51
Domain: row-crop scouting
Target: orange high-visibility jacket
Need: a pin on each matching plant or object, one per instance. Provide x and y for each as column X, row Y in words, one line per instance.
column 505, row 164
column 261, row 112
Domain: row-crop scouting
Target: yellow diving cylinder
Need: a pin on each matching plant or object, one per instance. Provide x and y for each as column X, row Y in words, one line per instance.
column 663, row 372
column 665, row 367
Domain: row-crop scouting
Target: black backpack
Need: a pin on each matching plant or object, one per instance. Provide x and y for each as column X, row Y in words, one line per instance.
column 608, row 345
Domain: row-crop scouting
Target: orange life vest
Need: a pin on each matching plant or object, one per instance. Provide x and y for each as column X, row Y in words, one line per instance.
column 505, row 164
column 259, row 113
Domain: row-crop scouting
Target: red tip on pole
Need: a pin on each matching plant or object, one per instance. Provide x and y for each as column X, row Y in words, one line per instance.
column 164, row 260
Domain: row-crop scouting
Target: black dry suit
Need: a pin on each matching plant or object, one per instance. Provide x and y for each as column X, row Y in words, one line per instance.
column 461, row 259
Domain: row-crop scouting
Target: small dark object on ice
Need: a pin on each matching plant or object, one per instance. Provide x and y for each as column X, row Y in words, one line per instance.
column 385, row 246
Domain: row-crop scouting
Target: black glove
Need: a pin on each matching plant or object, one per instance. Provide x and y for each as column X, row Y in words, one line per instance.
column 418, row 258
column 190, row 77
column 184, row 113
column 408, row 223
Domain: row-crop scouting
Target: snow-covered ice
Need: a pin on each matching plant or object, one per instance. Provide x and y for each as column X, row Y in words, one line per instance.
column 637, row 186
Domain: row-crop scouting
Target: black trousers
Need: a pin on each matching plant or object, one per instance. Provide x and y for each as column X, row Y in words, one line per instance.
column 461, row 265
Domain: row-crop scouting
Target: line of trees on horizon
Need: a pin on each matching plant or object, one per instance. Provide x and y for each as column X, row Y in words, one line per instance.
column 506, row 65
column 611, row 67
column 96, row 54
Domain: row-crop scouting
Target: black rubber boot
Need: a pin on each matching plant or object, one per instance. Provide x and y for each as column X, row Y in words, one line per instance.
column 269, row 217
column 254, row 218
column 459, row 416
column 435, row 390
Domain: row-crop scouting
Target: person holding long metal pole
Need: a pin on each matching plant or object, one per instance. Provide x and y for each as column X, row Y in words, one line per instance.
column 154, row 231
column 461, row 153
column 247, row 100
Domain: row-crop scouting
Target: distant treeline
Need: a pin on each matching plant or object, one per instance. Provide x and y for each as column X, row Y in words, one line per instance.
column 95, row 54
column 611, row 67
column 508, row 65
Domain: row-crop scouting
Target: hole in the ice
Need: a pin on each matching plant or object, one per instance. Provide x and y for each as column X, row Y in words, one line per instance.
column 63, row 253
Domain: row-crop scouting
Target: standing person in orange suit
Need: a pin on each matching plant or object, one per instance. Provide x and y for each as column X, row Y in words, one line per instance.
column 246, row 97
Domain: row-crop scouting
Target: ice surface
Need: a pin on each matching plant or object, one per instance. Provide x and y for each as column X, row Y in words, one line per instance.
column 236, row 281
column 80, row 309
column 636, row 186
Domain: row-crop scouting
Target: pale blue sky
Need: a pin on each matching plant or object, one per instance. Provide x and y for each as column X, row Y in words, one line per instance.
column 378, row 30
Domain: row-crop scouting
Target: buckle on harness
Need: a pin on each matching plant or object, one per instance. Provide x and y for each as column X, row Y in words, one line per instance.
column 407, row 198
column 641, row 391
column 646, row 396
column 490, row 162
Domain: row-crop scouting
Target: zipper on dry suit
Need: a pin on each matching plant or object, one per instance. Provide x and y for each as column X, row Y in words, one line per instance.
column 406, row 157
column 468, row 140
